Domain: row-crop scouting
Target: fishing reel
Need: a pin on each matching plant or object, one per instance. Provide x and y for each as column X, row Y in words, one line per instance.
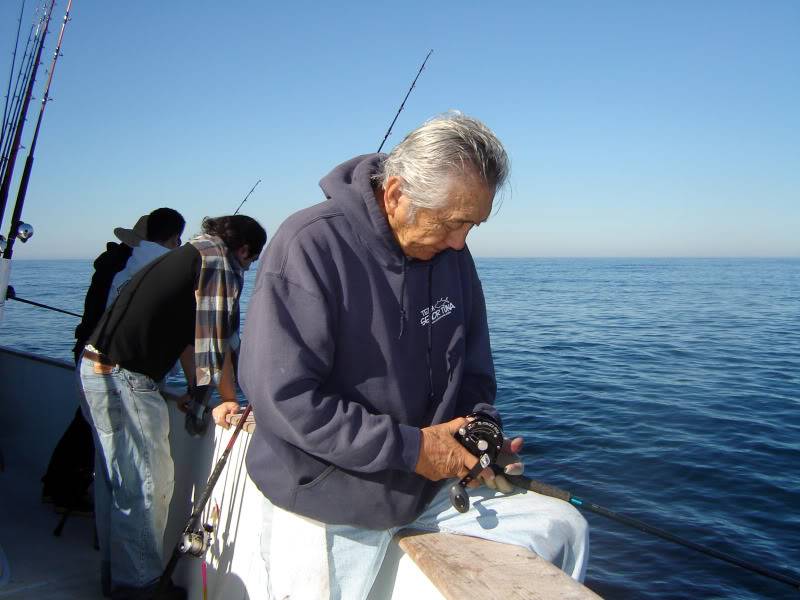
column 24, row 232
column 198, row 414
column 196, row 542
column 483, row 437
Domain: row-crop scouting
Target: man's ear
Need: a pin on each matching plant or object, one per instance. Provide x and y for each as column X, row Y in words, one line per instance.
column 243, row 252
column 391, row 194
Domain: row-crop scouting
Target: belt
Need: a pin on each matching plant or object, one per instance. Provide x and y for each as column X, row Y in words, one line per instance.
column 98, row 358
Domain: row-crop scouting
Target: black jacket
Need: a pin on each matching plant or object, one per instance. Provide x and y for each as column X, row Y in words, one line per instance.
column 108, row 264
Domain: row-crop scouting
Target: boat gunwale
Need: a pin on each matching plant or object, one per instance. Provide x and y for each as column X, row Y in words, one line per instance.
column 38, row 358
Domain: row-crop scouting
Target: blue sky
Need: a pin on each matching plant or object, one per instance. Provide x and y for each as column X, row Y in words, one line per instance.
column 634, row 128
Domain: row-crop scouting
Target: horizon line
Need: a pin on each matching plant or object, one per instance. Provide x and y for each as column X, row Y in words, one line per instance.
column 558, row 257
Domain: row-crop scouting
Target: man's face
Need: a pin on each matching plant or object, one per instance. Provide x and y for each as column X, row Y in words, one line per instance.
column 173, row 242
column 432, row 231
column 245, row 258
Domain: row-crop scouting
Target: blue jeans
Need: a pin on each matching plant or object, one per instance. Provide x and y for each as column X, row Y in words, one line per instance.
column 134, row 475
column 341, row 561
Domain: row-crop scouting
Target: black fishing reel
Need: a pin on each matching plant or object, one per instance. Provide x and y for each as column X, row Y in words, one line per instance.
column 483, row 437
column 196, row 542
column 198, row 413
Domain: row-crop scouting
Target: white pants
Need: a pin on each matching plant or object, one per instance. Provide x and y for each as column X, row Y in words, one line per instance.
column 306, row 559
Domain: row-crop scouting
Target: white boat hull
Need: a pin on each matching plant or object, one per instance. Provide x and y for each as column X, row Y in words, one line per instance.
column 39, row 399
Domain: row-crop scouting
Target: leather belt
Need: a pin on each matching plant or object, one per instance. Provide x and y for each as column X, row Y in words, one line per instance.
column 98, row 358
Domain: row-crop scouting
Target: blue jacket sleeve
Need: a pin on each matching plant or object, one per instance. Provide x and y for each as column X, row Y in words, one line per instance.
column 288, row 349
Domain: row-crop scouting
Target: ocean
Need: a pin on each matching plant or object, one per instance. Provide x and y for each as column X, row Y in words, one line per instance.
column 667, row 390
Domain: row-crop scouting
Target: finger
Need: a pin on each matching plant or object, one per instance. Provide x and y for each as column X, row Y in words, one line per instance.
column 516, row 468
column 487, row 473
column 470, row 460
column 502, row 485
column 490, row 483
column 487, row 477
column 456, row 424
column 512, row 446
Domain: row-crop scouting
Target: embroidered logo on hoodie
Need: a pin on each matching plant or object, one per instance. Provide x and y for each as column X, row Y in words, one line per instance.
column 440, row 310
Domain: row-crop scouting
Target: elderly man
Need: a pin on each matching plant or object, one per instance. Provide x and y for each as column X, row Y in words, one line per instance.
column 366, row 345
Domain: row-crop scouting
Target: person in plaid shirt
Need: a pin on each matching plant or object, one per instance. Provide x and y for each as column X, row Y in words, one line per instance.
column 184, row 305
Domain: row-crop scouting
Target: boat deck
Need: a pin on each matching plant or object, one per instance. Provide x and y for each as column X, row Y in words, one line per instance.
column 43, row 566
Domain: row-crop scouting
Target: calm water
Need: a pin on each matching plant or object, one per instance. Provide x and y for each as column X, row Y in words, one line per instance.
column 668, row 390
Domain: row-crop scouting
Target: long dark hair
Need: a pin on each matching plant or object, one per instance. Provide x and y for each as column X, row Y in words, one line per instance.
column 237, row 231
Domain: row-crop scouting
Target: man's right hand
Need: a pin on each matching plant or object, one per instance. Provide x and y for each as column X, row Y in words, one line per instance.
column 222, row 410
column 440, row 455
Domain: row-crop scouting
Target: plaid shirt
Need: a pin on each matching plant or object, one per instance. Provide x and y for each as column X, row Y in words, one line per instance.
column 217, row 321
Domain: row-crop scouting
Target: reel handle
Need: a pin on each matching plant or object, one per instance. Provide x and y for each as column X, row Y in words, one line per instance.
column 458, row 491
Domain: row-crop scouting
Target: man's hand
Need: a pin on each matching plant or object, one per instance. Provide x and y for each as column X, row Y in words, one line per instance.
column 222, row 410
column 440, row 455
column 509, row 461
column 183, row 402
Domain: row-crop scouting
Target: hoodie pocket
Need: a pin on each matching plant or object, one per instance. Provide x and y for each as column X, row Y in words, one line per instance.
column 310, row 484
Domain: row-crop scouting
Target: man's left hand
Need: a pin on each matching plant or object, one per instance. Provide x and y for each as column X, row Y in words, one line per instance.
column 183, row 402
column 510, row 463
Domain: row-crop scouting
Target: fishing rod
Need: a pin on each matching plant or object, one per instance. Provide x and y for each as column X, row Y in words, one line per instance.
column 26, row 173
column 545, row 489
column 12, row 295
column 246, row 197
column 6, row 114
column 12, row 118
column 388, row 131
column 195, row 538
column 5, row 186
column 403, row 103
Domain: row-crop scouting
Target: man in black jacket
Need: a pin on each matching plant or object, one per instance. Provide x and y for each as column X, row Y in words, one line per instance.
column 71, row 466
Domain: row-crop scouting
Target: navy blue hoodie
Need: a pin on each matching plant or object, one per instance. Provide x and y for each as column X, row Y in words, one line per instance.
column 349, row 348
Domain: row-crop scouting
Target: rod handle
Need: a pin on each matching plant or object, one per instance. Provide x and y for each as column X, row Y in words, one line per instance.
column 526, row 483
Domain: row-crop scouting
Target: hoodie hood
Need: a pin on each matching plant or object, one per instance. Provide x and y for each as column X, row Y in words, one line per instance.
column 113, row 260
column 350, row 188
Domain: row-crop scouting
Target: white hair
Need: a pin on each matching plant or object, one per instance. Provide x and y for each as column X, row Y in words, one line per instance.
column 445, row 147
